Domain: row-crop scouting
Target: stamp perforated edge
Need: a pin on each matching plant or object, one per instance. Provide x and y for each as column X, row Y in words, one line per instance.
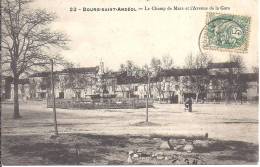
column 243, row 49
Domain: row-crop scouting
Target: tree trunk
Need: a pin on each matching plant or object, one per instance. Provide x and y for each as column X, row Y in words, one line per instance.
column 241, row 98
column 163, row 96
column 197, row 97
column 16, row 100
column 235, row 97
column 160, row 97
column 228, row 96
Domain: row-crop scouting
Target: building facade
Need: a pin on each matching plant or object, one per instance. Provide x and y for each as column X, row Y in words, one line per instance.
column 217, row 82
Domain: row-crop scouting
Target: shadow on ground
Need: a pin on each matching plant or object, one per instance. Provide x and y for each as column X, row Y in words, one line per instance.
column 87, row 149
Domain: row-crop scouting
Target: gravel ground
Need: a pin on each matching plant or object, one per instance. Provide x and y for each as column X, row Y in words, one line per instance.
column 86, row 149
column 220, row 121
column 101, row 137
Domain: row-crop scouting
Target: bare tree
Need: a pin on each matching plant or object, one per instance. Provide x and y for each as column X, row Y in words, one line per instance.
column 189, row 61
column 78, row 82
column 167, row 62
column 255, row 69
column 130, row 68
column 237, row 84
column 168, row 83
column 199, row 82
column 156, row 65
column 25, row 40
column 133, row 72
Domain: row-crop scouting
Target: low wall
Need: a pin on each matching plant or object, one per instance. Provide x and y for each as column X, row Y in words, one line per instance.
column 115, row 103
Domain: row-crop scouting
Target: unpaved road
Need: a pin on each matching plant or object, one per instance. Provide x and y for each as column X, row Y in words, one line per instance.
column 220, row 121
column 106, row 136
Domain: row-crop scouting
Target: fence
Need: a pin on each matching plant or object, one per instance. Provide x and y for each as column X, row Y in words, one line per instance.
column 113, row 103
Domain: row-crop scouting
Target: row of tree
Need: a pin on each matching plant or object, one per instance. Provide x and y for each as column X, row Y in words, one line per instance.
column 231, row 84
column 156, row 65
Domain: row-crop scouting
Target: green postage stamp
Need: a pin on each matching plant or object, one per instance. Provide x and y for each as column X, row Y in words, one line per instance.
column 226, row 32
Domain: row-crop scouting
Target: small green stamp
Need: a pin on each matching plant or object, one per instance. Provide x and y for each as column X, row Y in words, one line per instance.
column 226, row 32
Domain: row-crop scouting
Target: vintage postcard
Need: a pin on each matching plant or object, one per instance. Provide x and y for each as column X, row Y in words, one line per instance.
column 129, row 82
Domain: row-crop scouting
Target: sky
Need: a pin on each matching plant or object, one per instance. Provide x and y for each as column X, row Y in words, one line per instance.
column 115, row 37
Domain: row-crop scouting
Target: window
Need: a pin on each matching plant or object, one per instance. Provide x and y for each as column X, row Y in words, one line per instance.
column 136, row 88
column 43, row 95
column 78, row 95
column 61, row 95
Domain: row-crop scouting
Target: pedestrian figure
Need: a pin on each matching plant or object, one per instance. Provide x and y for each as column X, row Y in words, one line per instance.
column 130, row 159
column 190, row 104
column 186, row 104
column 204, row 100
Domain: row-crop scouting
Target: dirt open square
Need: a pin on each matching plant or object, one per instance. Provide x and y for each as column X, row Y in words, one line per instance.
column 107, row 136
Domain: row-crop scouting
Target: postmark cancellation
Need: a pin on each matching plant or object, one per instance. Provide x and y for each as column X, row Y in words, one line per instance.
column 226, row 32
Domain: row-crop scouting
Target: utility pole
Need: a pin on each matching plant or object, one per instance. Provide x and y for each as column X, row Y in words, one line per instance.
column 53, row 98
column 147, row 94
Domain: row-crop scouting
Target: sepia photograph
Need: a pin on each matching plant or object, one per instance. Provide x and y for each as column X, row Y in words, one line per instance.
column 129, row 82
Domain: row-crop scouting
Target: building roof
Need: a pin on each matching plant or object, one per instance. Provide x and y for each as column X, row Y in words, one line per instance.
column 40, row 74
column 6, row 77
column 132, row 79
column 9, row 79
column 249, row 77
column 223, row 65
column 183, row 72
column 121, row 80
column 81, row 70
column 23, row 81
column 67, row 70
column 113, row 74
